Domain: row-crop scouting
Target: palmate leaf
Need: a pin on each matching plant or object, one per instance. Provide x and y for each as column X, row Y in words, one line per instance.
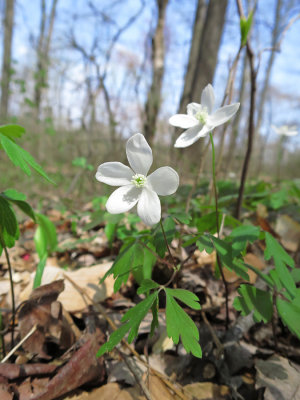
column 254, row 299
column 289, row 312
column 12, row 131
column 21, row 158
column 131, row 256
column 281, row 261
column 9, row 229
column 18, row 199
column 180, row 325
column 132, row 319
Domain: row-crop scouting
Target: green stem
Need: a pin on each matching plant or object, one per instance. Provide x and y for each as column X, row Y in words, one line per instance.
column 218, row 228
column 12, row 295
column 167, row 244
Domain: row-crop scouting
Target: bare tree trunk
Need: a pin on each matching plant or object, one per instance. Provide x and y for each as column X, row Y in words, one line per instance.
column 203, row 57
column 191, row 71
column 264, row 91
column 210, row 43
column 158, row 61
column 6, row 60
column 43, row 48
column 236, row 122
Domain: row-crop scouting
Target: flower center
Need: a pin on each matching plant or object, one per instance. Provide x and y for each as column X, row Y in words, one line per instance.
column 139, row 180
column 202, row 115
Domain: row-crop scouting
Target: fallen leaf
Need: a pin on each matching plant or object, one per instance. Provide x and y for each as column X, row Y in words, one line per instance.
column 280, row 377
column 207, row 391
column 87, row 278
column 289, row 230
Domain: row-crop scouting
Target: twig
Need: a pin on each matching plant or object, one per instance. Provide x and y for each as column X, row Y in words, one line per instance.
column 101, row 309
column 32, row 330
column 218, row 344
column 12, row 295
column 138, row 378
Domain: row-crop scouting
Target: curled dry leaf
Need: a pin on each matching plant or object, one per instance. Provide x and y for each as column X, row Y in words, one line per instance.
column 43, row 310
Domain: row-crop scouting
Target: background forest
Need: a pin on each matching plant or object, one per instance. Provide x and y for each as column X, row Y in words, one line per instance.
column 194, row 293
column 82, row 76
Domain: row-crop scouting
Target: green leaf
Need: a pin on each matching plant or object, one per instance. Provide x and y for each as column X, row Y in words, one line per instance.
column 96, row 219
column 187, row 297
column 18, row 198
column 147, row 285
column 45, row 237
column 79, row 162
column 149, row 261
column 21, row 158
column 110, row 230
column 242, row 235
column 39, row 271
column 9, row 229
column 130, row 257
column 159, row 242
column 245, row 26
column 281, row 261
column 204, row 243
column 12, row 131
column 253, row 299
column 182, row 217
column 208, row 223
column 179, row 324
column 132, row 319
column 289, row 312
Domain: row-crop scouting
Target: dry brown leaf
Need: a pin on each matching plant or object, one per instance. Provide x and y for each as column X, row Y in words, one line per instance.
column 256, row 262
column 207, row 391
column 289, row 230
column 87, row 278
column 203, row 258
column 111, row 391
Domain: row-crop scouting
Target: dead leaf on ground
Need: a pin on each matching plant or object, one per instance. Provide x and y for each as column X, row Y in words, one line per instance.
column 289, row 230
column 86, row 278
column 280, row 377
column 44, row 311
column 207, row 391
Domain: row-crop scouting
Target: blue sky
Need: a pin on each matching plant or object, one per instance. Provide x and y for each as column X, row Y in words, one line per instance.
column 285, row 75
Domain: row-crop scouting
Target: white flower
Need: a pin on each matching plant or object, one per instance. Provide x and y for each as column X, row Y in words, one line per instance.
column 136, row 186
column 286, row 130
column 200, row 118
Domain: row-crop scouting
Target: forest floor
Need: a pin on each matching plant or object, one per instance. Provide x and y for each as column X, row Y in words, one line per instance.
column 62, row 324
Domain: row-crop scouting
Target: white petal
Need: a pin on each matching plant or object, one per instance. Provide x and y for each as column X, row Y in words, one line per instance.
column 222, row 115
column 123, row 199
column 148, row 207
column 139, row 154
column 183, row 121
column 164, row 181
column 114, row 174
column 191, row 135
column 192, row 109
column 208, row 98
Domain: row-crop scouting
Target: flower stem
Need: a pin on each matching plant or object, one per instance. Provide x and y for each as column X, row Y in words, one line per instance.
column 167, row 244
column 218, row 228
column 12, row 294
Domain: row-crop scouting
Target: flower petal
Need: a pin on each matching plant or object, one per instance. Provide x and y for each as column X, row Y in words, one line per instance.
column 139, row 154
column 192, row 110
column 183, row 121
column 148, row 207
column 164, row 181
column 191, row 135
column 208, row 98
column 114, row 174
column 222, row 115
column 123, row 199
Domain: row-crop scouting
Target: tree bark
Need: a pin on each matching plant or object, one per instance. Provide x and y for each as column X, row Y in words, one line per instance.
column 210, row 43
column 191, row 71
column 6, row 60
column 264, row 91
column 158, row 63
column 43, row 48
